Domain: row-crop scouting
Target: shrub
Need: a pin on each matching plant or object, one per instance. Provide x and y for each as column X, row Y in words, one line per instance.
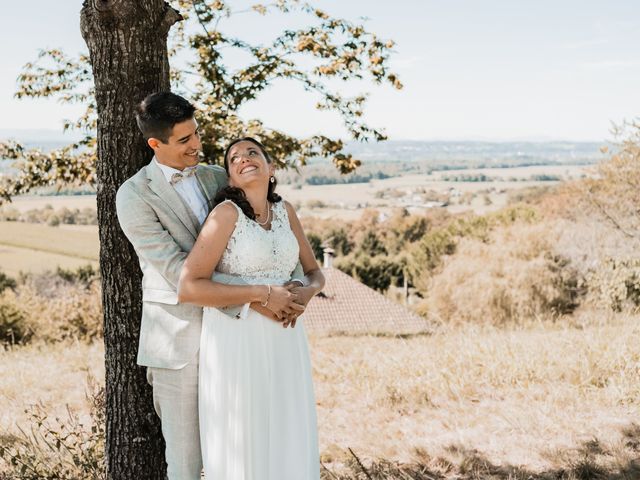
column 9, row 214
column 514, row 278
column 316, row 204
column 615, row 284
column 52, row 307
column 84, row 275
column 13, row 324
column 71, row 311
column 429, row 253
column 6, row 282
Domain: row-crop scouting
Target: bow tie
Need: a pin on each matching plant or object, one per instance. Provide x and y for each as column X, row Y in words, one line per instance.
column 179, row 176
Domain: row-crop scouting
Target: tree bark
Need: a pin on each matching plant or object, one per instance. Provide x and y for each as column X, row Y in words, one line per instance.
column 127, row 41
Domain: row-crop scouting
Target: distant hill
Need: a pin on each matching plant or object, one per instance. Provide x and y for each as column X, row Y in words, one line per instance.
column 480, row 153
column 39, row 138
column 454, row 154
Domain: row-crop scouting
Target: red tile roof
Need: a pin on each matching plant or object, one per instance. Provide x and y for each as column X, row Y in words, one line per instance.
column 346, row 305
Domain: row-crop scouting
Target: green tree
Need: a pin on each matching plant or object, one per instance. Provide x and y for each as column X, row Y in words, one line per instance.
column 314, row 55
column 316, row 245
column 377, row 272
column 340, row 242
column 371, row 245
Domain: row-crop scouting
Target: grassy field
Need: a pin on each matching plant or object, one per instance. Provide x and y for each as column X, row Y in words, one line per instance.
column 536, row 397
column 35, row 248
column 516, row 397
column 14, row 260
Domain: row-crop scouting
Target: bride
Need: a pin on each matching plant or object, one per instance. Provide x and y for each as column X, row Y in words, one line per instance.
column 256, row 402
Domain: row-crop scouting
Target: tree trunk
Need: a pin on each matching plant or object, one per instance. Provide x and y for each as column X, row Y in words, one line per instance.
column 127, row 41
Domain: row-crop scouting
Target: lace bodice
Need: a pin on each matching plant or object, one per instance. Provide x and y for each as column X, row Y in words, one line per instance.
column 260, row 255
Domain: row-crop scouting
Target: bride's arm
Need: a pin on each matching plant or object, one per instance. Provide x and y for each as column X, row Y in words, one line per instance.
column 195, row 285
column 308, row 260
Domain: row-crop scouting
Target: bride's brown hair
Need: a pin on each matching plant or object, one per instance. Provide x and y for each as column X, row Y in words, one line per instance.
column 237, row 195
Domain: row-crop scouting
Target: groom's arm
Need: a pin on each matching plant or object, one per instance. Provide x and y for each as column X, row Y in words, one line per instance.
column 149, row 238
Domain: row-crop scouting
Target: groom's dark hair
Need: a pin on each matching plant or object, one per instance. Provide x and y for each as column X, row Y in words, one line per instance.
column 159, row 112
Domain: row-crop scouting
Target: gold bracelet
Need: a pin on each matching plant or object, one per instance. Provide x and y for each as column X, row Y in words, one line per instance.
column 268, row 296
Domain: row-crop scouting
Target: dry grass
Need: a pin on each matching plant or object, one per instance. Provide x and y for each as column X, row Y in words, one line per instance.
column 54, row 375
column 521, row 397
column 534, row 397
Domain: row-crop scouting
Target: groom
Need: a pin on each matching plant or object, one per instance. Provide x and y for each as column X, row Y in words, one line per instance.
column 161, row 210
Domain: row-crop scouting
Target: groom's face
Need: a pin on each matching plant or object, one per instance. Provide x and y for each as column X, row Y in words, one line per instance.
column 182, row 148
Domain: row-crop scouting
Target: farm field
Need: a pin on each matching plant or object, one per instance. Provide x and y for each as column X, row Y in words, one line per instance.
column 14, row 260
column 347, row 201
column 72, row 242
column 35, row 248
column 566, row 172
column 39, row 247
column 532, row 397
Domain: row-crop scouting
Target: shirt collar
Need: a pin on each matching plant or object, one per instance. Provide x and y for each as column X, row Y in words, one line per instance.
column 169, row 171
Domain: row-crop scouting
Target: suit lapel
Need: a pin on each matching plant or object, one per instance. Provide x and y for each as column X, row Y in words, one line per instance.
column 159, row 185
column 208, row 184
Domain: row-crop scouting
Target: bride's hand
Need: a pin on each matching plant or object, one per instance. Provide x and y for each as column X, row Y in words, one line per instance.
column 283, row 302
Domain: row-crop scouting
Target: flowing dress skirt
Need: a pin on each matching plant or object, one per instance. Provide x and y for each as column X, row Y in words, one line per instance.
column 256, row 400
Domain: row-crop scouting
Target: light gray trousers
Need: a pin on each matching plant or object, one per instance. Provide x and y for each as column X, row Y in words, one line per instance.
column 175, row 399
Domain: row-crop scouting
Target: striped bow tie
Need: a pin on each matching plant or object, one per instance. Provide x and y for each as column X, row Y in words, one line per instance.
column 179, row 176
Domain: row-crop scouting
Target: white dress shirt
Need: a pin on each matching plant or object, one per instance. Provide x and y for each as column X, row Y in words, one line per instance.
column 188, row 190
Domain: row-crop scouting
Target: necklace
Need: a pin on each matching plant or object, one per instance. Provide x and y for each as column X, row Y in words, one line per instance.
column 266, row 206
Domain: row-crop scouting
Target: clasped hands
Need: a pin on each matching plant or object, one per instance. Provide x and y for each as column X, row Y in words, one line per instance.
column 286, row 303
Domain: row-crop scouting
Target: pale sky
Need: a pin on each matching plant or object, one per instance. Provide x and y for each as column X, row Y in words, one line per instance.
column 482, row 70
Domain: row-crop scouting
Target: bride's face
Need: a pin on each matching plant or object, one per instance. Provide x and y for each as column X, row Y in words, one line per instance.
column 248, row 165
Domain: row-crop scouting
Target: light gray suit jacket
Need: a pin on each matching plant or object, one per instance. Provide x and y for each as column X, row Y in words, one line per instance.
column 162, row 230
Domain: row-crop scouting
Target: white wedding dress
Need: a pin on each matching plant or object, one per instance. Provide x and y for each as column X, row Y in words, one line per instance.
column 256, row 401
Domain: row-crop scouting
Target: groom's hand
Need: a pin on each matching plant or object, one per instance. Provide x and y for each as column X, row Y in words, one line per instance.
column 303, row 297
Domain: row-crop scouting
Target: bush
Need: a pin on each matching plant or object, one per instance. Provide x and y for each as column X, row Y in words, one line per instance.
column 6, row 282
column 86, row 216
column 429, row 253
column 73, row 312
column 615, row 284
column 13, row 324
column 84, row 275
column 9, row 214
column 52, row 307
column 514, row 278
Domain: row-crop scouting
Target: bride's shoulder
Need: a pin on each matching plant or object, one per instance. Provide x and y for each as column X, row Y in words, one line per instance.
column 225, row 211
column 291, row 210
